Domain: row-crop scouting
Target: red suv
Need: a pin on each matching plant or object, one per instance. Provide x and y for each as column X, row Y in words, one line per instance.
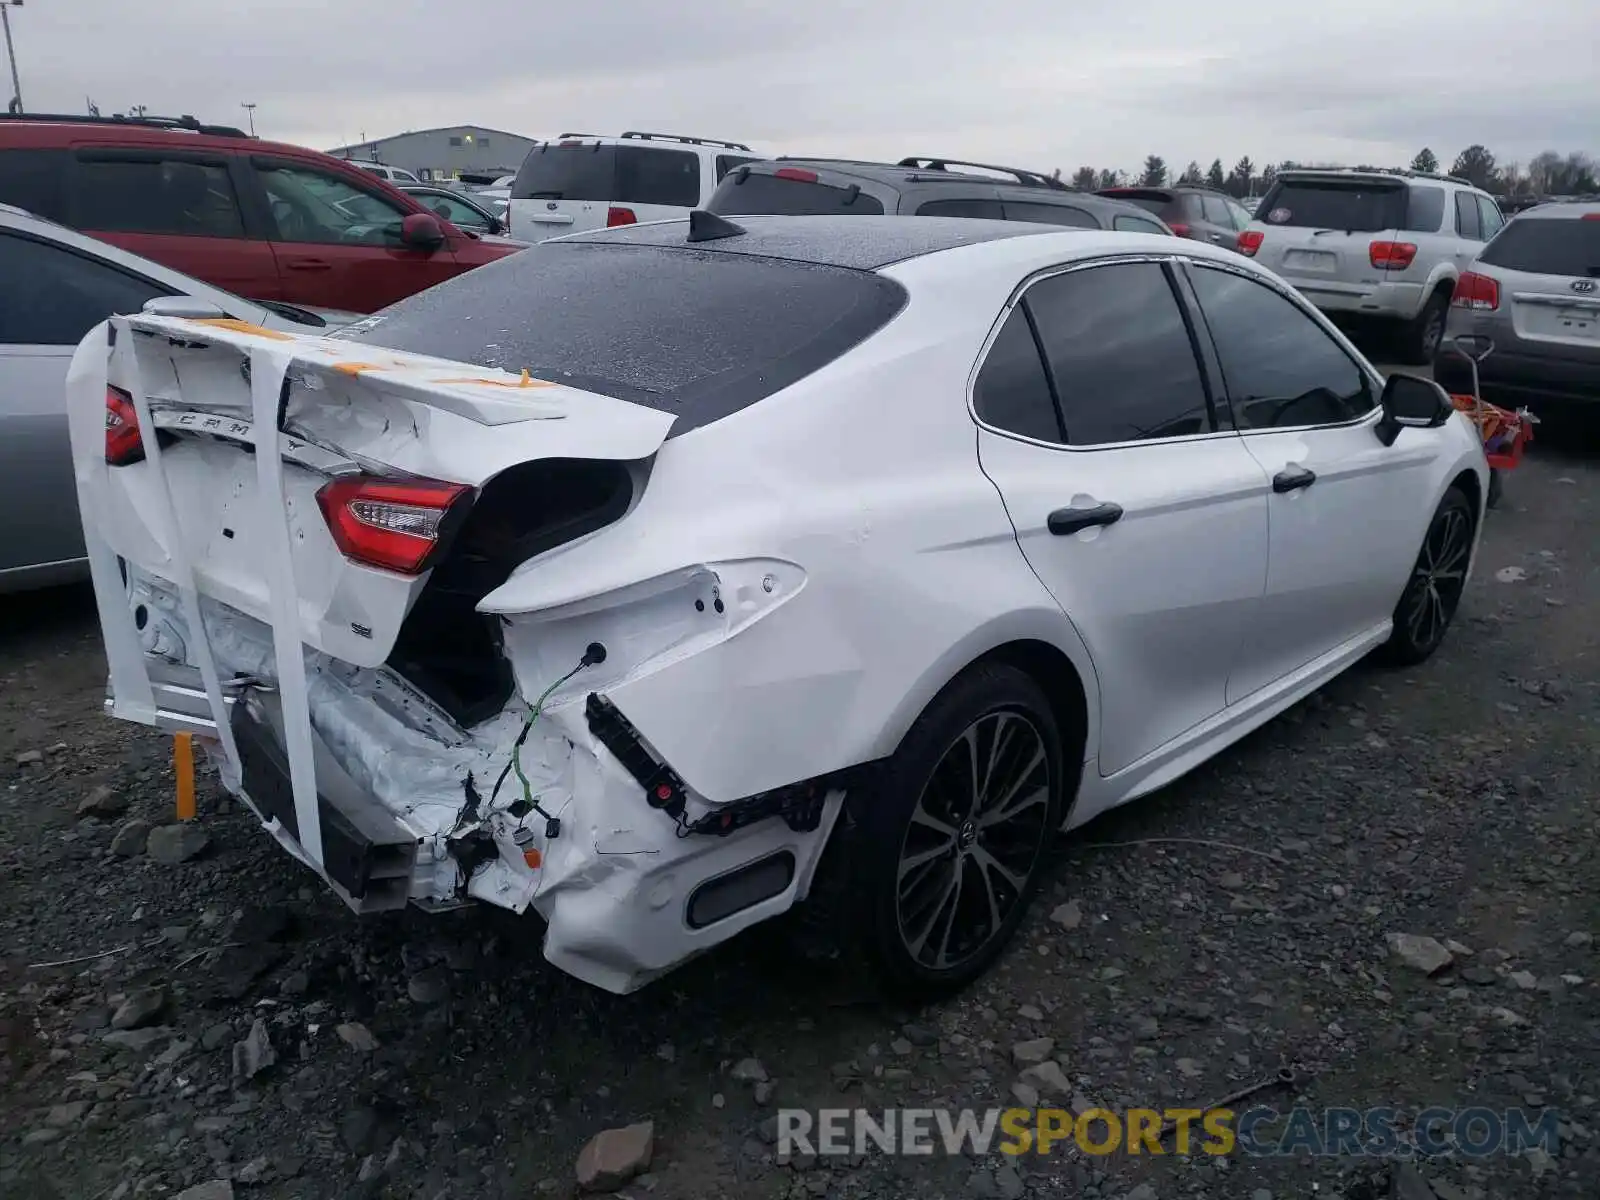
column 261, row 219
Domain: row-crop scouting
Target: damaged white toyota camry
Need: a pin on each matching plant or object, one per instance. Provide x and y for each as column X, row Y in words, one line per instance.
column 622, row 578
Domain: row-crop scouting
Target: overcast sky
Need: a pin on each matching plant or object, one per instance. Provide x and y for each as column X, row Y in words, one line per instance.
column 1037, row 83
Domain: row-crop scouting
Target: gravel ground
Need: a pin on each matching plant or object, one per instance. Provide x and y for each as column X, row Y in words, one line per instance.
column 438, row 1058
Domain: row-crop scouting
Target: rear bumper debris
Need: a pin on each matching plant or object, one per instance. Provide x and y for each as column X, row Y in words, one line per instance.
column 628, row 887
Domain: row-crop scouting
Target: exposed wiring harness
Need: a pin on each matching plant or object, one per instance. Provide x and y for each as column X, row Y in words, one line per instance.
column 593, row 655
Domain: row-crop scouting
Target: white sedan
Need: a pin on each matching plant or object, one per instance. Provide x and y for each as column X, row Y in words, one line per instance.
column 623, row 578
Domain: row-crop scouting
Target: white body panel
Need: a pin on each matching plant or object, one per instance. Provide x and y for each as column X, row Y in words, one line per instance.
column 854, row 543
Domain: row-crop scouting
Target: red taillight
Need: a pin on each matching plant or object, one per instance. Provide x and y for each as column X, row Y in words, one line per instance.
column 1477, row 292
column 1179, row 228
column 1250, row 241
column 796, row 174
column 123, row 443
column 620, row 216
column 1392, row 256
column 393, row 524
column 1594, row 216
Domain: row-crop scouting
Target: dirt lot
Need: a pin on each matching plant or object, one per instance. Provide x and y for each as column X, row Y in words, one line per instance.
column 437, row 1058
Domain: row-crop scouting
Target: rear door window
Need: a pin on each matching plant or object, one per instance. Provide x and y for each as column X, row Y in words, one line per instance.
column 646, row 175
column 1355, row 206
column 115, row 192
column 1469, row 223
column 1012, row 391
column 1424, row 209
column 32, row 180
column 577, row 172
column 1120, row 354
column 1547, row 246
column 702, row 334
column 1216, row 211
column 1050, row 214
column 69, row 293
column 987, row 210
column 760, row 192
column 1493, row 222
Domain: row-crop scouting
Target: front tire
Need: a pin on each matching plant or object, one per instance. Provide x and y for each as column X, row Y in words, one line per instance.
column 949, row 848
column 1433, row 593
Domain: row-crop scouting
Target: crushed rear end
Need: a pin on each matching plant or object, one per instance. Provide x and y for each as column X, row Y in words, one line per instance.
column 343, row 614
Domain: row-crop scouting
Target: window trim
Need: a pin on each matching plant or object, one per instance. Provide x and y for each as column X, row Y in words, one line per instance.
column 1371, row 416
column 1017, row 293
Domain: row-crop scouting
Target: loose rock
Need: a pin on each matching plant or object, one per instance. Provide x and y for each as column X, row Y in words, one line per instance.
column 357, row 1036
column 1029, row 1053
column 131, row 839
column 173, row 844
column 613, row 1157
column 1069, row 916
column 140, row 1009
column 749, row 1070
column 216, row 1189
column 255, row 1054
column 1419, row 953
column 103, row 802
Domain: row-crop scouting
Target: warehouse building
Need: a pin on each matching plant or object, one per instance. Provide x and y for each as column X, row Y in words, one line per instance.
column 445, row 153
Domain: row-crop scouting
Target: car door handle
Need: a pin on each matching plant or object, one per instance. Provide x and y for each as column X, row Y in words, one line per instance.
column 308, row 264
column 1070, row 520
column 1292, row 478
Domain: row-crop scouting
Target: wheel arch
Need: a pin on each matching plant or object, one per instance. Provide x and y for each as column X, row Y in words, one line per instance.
column 1046, row 647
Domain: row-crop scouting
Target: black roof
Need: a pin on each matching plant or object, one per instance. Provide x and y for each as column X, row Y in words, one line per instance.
column 860, row 243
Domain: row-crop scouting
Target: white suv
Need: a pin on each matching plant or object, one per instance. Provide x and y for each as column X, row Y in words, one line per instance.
column 1381, row 244
column 580, row 181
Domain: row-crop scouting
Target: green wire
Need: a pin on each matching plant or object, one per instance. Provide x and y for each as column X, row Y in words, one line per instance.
column 534, row 713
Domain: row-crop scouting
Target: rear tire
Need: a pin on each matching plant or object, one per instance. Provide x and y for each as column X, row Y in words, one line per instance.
column 1433, row 593
column 947, row 850
column 1425, row 333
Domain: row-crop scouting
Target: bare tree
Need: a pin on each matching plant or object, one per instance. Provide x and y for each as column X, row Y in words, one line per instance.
column 1476, row 165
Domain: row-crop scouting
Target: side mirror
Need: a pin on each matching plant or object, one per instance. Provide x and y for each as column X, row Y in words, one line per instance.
column 1411, row 402
column 497, row 227
column 422, row 231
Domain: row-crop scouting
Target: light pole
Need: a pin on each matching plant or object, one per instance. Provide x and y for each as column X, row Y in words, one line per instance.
column 16, row 83
column 251, row 110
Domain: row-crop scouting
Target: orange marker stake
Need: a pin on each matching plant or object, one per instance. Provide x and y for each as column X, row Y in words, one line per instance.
column 183, row 767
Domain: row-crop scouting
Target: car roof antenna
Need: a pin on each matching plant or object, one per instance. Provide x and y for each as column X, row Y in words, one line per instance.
column 708, row 227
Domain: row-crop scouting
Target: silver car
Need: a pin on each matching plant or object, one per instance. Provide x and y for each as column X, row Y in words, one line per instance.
column 55, row 285
column 1383, row 246
column 1529, row 309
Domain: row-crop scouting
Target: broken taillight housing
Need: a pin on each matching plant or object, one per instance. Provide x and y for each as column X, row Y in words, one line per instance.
column 124, row 445
column 396, row 524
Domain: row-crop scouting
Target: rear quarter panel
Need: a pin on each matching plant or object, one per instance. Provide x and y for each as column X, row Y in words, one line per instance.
column 865, row 477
